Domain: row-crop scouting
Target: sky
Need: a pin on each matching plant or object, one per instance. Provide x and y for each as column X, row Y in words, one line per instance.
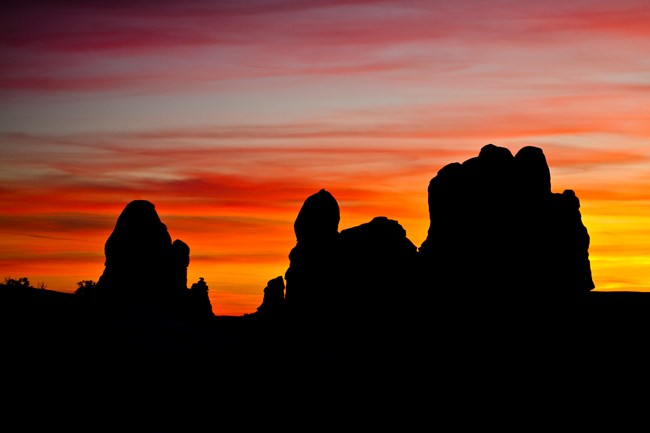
column 227, row 115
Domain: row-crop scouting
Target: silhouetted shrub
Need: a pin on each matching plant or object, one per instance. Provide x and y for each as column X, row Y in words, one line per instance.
column 22, row 282
column 86, row 288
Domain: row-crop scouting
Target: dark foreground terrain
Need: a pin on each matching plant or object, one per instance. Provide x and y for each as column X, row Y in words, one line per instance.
column 46, row 325
column 65, row 361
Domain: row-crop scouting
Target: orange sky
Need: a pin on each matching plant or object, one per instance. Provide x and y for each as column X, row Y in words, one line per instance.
column 228, row 115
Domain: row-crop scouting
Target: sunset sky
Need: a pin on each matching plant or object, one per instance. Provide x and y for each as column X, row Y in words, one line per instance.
column 227, row 115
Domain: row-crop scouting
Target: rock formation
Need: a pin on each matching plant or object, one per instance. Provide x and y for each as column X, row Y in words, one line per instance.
column 496, row 230
column 273, row 303
column 499, row 239
column 180, row 260
column 199, row 302
column 311, row 276
column 376, row 269
column 143, row 266
column 359, row 274
column 138, row 254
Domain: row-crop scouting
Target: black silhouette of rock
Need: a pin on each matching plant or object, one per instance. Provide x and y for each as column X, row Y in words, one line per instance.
column 318, row 218
column 144, row 267
column 199, row 301
column 500, row 246
column 532, row 173
column 180, row 260
column 138, row 254
column 497, row 231
column 356, row 278
column 273, row 304
column 376, row 269
column 311, row 278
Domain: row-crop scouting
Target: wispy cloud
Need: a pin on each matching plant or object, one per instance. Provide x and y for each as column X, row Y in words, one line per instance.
column 176, row 46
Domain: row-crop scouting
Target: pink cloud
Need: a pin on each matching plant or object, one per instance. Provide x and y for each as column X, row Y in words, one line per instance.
column 625, row 18
column 77, row 84
column 249, row 156
column 82, row 26
column 177, row 46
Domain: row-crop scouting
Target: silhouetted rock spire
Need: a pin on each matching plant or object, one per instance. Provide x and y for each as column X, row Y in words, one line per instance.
column 376, row 270
column 532, row 172
column 311, row 277
column 273, row 302
column 180, row 260
column 362, row 272
column 318, row 218
column 139, row 254
column 199, row 301
column 144, row 267
column 496, row 230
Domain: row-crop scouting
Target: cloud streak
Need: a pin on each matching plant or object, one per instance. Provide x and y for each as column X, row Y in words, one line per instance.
column 181, row 46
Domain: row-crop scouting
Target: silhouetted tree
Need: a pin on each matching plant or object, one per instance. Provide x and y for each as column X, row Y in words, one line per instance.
column 86, row 288
column 22, row 282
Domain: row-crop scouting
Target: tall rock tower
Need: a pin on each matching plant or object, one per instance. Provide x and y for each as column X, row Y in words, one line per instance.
column 311, row 277
column 497, row 230
column 143, row 266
